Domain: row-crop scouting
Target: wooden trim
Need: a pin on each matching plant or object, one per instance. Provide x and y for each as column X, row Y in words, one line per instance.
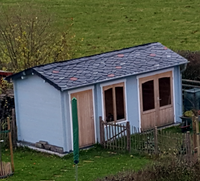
column 102, row 96
column 94, row 114
column 104, row 105
column 80, row 89
column 167, row 106
column 113, row 85
column 149, row 111
column 141, row 81
column 124, row 102
column 114, row 100
column 154, row 73
column 157, row 100
column 113, row 82
column 107, row 87
column 114, row 103
column 167, row 75
column 140, row 102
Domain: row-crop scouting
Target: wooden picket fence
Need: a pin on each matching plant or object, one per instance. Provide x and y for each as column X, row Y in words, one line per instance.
column 185, row 146
column 6, row 168
column 13, row 128
column 115, row 136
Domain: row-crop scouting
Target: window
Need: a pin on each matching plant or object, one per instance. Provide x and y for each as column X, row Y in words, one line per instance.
column 148, row 95
column 114, row 103
column 109, row 105
column 164, row 91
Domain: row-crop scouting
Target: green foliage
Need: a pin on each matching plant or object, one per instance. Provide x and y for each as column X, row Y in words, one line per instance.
column 27, row 37
column 193, row 68
column 173, row 129
column 189, row 113
column 5, row 86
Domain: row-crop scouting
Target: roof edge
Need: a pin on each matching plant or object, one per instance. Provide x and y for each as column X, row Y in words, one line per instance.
column 114, row 78
column 47, row 80
column 30, row 71
column 19, row 74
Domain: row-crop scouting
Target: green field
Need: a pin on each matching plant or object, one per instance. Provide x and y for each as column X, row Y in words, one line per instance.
column 108, row 25
column 94, row 163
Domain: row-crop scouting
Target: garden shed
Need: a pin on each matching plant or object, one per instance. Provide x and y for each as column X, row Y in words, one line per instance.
column 141, row 84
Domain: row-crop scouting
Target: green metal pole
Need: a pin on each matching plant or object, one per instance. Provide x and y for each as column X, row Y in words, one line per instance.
column 75, row 134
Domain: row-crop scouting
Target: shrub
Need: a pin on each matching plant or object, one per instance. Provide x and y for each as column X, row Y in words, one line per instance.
column 167, row 170
column 29, row 37
column 193, row 68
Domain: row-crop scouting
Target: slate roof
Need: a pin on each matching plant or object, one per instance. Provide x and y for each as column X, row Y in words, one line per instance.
column 106, row 66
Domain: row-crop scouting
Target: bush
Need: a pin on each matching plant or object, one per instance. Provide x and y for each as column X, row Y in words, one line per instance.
column 166, row 171
column 29, row 37
column 193, row 68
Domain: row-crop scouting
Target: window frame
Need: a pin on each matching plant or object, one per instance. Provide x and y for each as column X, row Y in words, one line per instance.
column 112, row 85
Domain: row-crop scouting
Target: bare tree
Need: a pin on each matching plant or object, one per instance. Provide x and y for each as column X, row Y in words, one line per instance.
column 29, row 38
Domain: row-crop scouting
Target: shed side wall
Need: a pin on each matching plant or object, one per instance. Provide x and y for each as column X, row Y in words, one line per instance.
column 39, row 112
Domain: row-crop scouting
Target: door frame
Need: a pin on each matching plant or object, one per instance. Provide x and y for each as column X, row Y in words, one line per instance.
column 70, row 110
column 151, row 74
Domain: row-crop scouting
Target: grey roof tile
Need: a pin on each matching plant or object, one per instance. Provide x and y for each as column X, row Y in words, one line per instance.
column 96, row 68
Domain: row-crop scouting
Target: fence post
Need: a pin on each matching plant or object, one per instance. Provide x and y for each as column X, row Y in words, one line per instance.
column 14, row 129
column 128, row 136
column 197, row 137
column 193, row 123
column 194, row 138
column 188, row 146
column 11, row 146
column 156, row 140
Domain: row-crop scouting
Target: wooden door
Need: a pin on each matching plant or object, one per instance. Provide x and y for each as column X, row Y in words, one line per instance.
column 85, row 117
column 165, row 99
column 156, row 100
column 148, row 102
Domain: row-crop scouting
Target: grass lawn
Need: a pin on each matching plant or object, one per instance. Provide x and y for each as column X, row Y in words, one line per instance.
column 108, row 25
column 94, row 163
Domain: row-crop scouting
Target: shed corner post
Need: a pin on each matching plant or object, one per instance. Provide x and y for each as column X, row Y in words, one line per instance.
column 11, row 145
